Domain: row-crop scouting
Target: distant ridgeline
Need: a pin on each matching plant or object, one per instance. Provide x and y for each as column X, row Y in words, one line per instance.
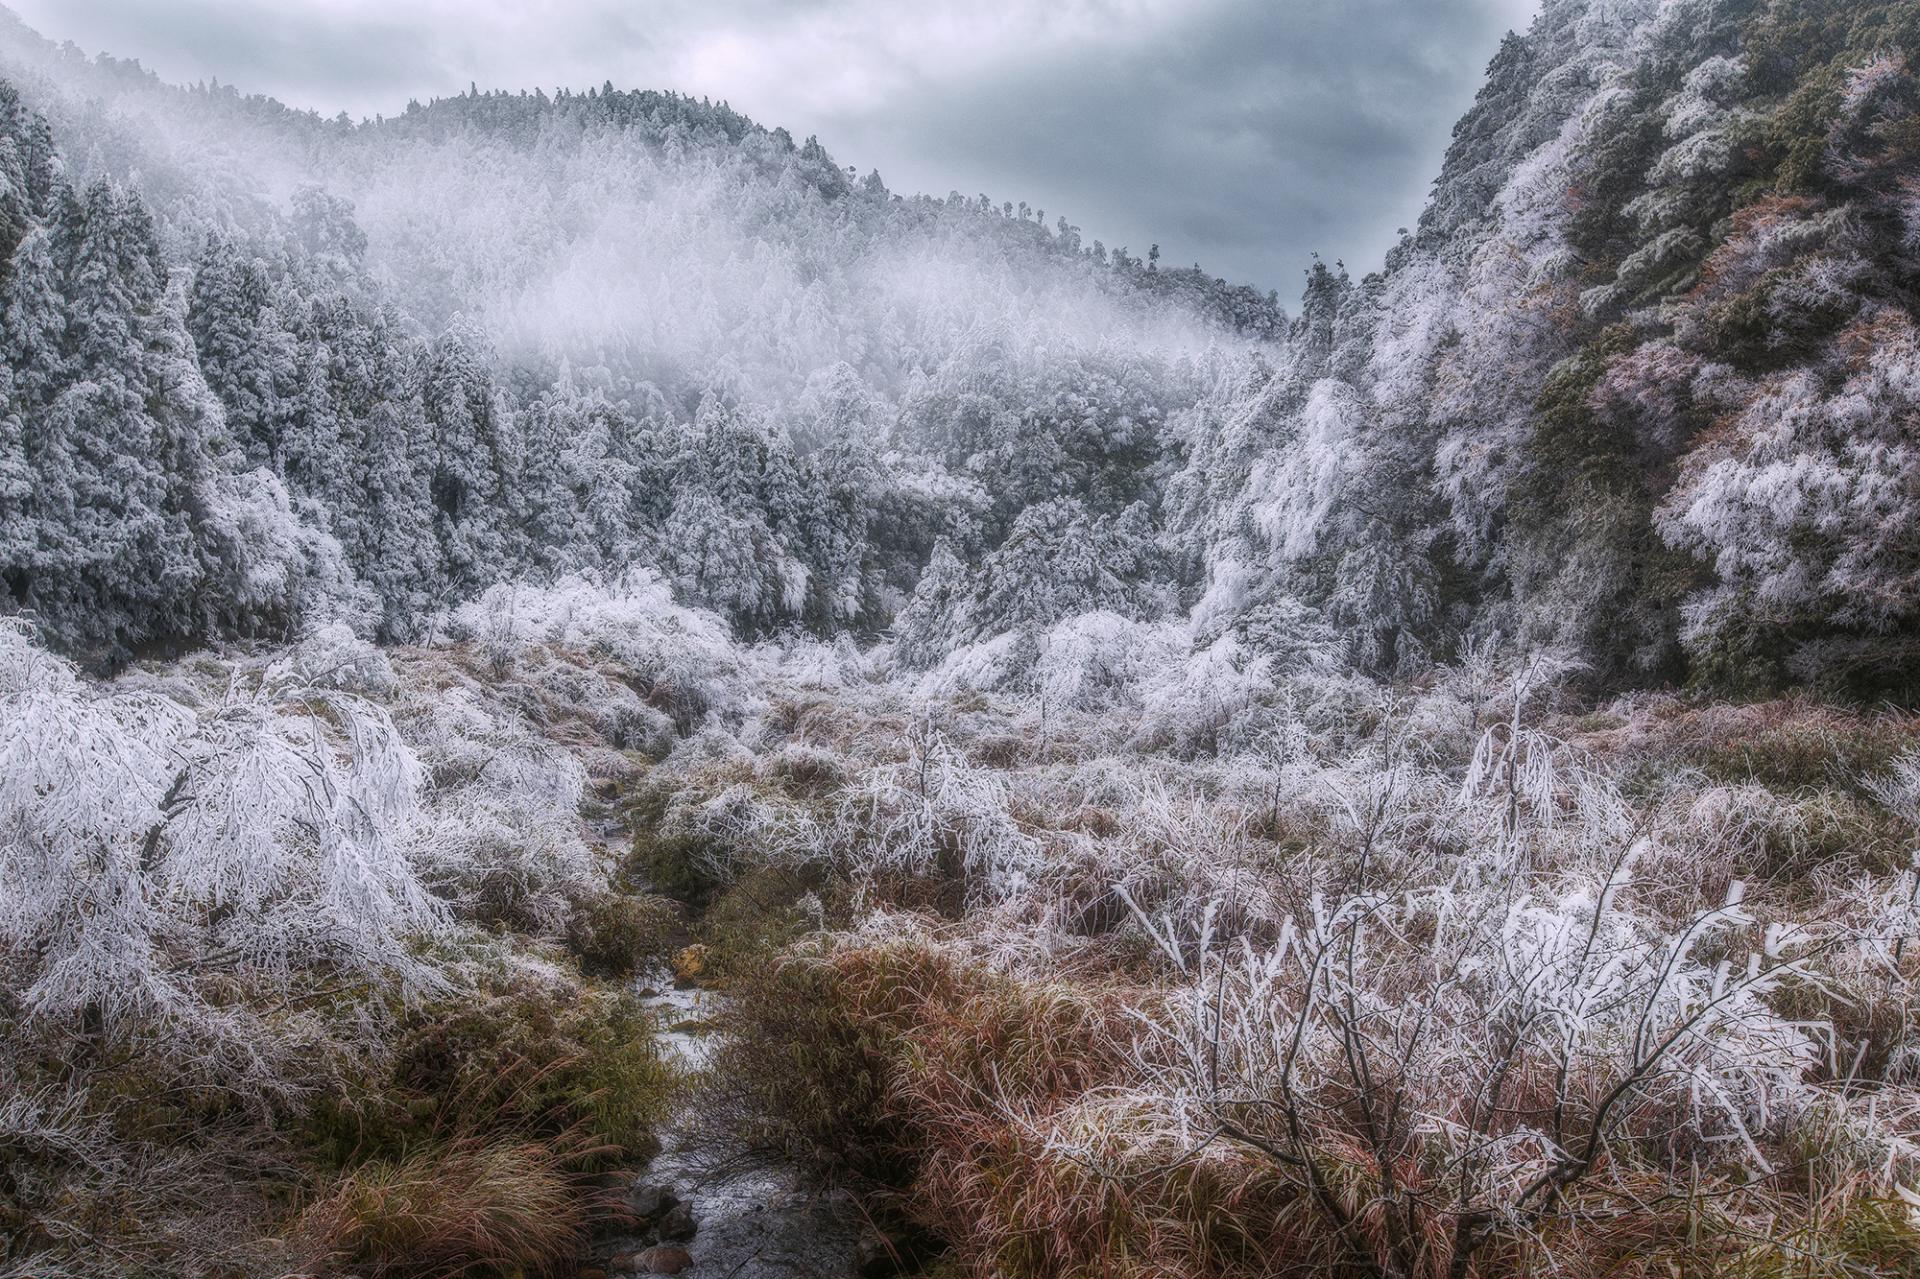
column 1644, row 383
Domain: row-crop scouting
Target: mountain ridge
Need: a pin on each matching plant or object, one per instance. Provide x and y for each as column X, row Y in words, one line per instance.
column 1441, row 450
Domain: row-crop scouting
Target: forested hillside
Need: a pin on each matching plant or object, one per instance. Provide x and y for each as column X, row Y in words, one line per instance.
column 559, row 647
column 506, row 334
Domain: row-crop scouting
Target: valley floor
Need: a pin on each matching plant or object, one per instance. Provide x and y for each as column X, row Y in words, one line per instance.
column 347, row 961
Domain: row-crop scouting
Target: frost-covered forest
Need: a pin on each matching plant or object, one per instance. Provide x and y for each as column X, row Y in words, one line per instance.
column 560, row 651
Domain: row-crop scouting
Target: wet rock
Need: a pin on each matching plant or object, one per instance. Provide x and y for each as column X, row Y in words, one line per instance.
column 648, row 1201
column 874, row 1259
column 689, row 962
column 667, row 1259
column 678, row 1225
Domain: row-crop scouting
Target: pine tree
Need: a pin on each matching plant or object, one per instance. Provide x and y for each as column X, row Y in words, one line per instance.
column 246, row 353
column 119, row 560
column 938, row 616
column 546, row 508
column 330, row 241
column 397, row 551
column 474, row 455
column 725, row 558
column 1056, row 562
column 26, row 171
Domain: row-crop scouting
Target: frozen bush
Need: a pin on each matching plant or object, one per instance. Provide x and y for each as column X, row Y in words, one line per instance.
column 502, row 836
column 145, row 846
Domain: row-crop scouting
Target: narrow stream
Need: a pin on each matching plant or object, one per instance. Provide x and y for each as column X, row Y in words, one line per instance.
column 746, row 1224
column 758, row 1224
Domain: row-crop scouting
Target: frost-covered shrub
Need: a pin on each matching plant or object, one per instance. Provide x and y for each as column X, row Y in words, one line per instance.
column 599, row 697
column 74, row 1161
column 273, row 558
column 145, row 845
column 680, row 658
column 1799, row 508
column 813, row 664
column 1189, row 706
column 332, row 656
column 1900, row 789
column 1594, row 1037
column 503, row 835
column 933, row 814
column 1003, row 662
column 1099, row 660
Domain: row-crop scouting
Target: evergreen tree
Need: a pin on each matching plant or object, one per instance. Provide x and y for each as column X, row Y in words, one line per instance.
column 246, row 353
column 396, row 550
column 937, row 616
column 473, row 457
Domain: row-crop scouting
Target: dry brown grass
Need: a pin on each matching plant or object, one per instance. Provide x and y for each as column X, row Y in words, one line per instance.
column 469, row 1206
column 988, row 1098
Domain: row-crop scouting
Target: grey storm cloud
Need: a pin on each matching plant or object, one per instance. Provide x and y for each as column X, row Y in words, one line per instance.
column 1243, row 134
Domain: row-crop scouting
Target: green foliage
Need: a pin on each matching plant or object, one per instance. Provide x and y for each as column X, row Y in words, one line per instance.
column 1737, row 656
column 1862, row 668
column 802, row 1076
column 756, row 918
column 125, row 1152
column 546, row 1059
column 1879, row 1235
column 1798, row 55
column 616, row 933
column 1809, row 751
column 1587, row 555
column 526, row 1059
column 675, row 864
column 1612, row 175
column 1756, row 333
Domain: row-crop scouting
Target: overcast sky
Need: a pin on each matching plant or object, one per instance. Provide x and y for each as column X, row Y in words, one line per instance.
column 1244, row 134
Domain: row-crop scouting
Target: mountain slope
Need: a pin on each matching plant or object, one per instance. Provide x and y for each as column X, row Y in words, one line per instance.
column 1640, row 383
column 507, row 334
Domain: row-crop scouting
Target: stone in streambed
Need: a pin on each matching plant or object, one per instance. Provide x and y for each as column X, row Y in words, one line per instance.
column 667, row 1259
column 689, row 962
column 679, row 1224
column 648, row 1201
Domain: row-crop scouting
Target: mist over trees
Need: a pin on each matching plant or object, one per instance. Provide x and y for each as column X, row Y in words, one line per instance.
column 864, row 374
column 378, row 367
